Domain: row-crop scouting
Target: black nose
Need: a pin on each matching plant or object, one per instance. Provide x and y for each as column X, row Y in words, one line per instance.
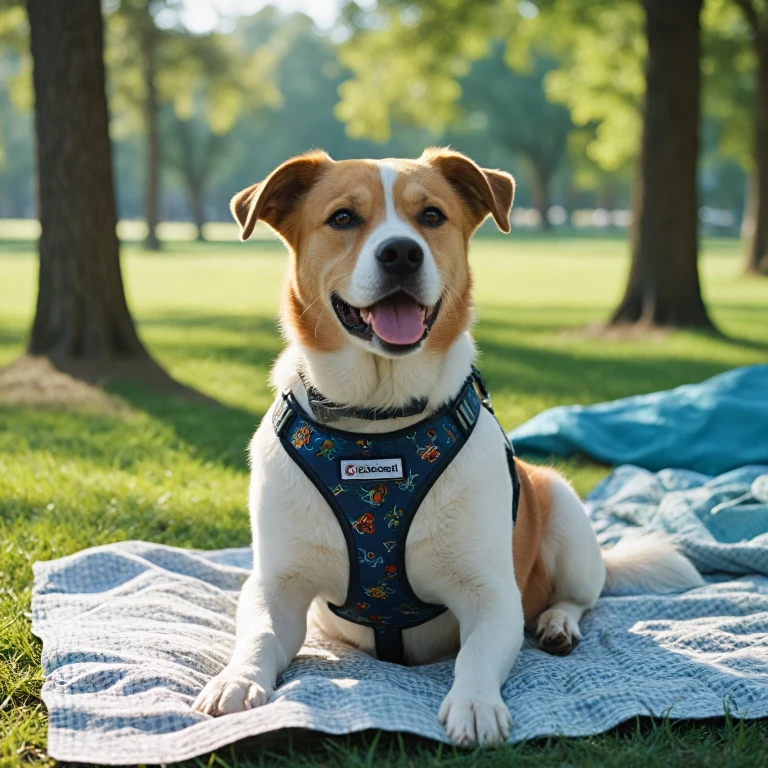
column 400, row 256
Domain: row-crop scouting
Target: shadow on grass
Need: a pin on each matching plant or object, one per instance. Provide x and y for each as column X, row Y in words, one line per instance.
column 219, row 433
column 216, row 433
column 10, row 337
column 17, row 246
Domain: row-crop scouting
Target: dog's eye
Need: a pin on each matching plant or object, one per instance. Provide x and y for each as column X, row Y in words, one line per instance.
column 432, row 217
column 343, row 219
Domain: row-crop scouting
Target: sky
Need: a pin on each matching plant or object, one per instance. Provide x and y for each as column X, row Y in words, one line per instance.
column 204, row 15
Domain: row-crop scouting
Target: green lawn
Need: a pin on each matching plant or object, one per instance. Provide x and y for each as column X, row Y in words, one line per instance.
column 159, row 469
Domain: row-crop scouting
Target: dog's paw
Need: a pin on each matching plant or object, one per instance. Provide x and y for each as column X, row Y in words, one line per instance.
column 471, row 722
column 557, row 633
column 230, row 692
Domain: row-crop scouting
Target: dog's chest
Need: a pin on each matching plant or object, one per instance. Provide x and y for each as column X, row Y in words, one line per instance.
column 293, row 521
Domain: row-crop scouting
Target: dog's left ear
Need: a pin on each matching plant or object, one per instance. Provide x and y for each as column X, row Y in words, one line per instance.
column 485, row 191
column 275, row 199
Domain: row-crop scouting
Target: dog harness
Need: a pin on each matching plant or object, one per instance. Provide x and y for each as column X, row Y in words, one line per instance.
column 374, row 484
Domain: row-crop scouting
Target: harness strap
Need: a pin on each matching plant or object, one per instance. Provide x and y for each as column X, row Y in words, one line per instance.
column 388, row 639
column 389, row 644
column 485, row 399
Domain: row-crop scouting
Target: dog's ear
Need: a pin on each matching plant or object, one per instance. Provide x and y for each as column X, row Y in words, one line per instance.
column 484, row 190
column 275, row 198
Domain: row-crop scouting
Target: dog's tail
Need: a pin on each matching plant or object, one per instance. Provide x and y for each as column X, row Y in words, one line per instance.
column 649, row 562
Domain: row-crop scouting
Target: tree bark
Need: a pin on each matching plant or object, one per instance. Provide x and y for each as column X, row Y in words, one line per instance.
column 755, row 226
column 542, row 178
column 193, row 170
column 81, row 313
column 151, row 110
column 197, row 203
column 663, row 287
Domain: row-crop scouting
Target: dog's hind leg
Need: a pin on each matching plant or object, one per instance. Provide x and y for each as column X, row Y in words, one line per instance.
column 573, row 560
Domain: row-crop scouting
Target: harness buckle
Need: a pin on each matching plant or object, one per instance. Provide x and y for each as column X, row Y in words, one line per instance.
column 282, row 416
column 482, row 390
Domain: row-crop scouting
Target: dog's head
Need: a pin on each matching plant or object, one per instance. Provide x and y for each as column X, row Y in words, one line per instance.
column 379, row 248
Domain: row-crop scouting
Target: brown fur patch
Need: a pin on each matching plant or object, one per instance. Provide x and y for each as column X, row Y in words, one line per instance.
column 532, row 518
column 419, row 186
column 323, row 258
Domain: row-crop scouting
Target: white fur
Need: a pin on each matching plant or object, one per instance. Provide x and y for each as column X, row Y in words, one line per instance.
column 365, row 287
column 650, row 563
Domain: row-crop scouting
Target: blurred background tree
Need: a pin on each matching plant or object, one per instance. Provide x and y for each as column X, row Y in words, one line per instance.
column 196, row 84
column 82, row 323
column 755, row 15
column 601, row 47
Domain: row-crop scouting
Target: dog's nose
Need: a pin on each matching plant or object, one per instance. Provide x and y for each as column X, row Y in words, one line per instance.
column 400, row 256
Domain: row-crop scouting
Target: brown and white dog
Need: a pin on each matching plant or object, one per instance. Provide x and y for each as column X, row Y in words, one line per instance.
column 377, row 311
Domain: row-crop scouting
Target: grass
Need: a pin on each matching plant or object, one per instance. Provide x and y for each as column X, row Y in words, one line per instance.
column 161, row 470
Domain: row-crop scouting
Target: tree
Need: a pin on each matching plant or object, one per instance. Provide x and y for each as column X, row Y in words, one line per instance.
column 138, row 54
column 728, row 69
column 600, row 50
column 663, row 287
column 183, row 92
column 502, row 108
column 16, row 144
column 756, row 217
column 215, row 81
column 82, row 318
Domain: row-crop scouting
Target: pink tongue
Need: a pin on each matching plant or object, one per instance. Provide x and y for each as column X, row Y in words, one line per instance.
column 397, row 320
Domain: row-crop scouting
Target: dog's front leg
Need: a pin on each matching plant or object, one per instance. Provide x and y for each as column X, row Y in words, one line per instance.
column 491, row 625
column 271, row 627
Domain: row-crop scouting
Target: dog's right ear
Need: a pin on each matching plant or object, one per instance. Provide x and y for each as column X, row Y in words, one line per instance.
column 276, row 198
column 485, row 191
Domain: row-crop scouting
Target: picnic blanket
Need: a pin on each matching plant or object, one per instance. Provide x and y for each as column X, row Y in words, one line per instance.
column 711, row 427
column 132, row 631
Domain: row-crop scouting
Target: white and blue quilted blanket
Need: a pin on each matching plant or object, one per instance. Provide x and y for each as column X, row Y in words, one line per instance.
column 132, row 631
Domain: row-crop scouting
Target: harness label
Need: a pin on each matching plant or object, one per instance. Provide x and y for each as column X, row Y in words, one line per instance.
column 366, row 469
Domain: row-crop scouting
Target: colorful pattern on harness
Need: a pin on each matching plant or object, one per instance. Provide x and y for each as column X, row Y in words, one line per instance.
column 374, row 513
column 374, row 484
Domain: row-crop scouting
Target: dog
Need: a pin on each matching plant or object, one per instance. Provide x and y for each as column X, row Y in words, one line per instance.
column 377, row 310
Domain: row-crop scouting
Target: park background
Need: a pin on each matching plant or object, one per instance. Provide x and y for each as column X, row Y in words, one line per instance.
column 638, row 136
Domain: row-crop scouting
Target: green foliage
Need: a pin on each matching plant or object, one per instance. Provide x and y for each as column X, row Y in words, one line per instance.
column 203, row 76
column 412, row 73
column 409, row 55
column 599, row 77
column 413, row 56
column 728, row 67
column 15, row 104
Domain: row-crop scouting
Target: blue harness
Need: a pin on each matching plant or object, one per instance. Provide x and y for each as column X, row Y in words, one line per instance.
column 374, row 484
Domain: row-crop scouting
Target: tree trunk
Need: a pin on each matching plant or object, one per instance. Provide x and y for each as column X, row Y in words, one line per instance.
column 755, row 228
column 151, row 109
column 81, row 308
column 663, row 287
column 540, row 191
column 197, row 203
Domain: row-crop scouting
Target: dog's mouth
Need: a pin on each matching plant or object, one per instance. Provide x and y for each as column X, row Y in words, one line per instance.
column 398, row 321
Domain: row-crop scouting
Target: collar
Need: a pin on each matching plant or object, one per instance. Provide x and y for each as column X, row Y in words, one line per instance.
column 327, row 411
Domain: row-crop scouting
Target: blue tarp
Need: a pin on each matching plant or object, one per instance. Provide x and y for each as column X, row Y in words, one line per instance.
column 711, row 427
